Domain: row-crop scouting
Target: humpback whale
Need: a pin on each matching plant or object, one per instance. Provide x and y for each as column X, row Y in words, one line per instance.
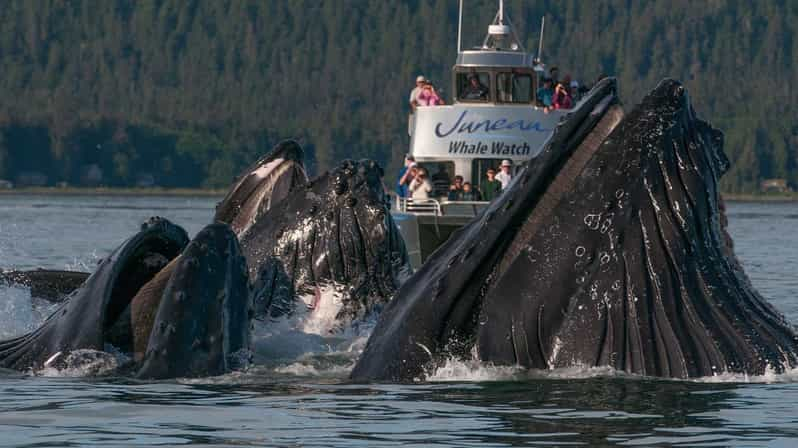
column 609, row 250
column 201, row 317
column 335, row 230
column 185, row 309
column 299, row 236
column 262, row 184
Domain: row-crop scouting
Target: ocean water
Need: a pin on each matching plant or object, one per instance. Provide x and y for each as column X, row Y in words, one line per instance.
column 303, row 398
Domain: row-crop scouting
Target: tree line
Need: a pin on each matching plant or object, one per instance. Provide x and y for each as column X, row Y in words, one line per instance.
column 190, row 91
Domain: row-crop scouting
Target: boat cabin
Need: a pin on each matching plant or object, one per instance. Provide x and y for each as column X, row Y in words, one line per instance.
column 495, row 115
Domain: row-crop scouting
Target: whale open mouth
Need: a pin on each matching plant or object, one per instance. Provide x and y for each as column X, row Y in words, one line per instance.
column 608, row 251
column 98, row 312
column 438, row 308
column 265, row 183
column 135, row 270
column 138, row 270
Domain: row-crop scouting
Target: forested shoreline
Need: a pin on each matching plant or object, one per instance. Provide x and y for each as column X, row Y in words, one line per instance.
column 183, row 93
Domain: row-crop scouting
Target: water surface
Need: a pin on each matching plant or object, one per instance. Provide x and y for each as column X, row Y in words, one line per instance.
column 307, row 402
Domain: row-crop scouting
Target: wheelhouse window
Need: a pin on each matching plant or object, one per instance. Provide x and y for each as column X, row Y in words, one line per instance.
column 473, row 87
column 514, row 88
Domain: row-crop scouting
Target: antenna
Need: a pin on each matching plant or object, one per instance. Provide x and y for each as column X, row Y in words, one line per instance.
column 500, row 31
column 460, row 27
column 540, row 44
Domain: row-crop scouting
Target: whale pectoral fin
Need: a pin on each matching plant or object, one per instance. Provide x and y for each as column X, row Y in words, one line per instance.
column 204, row 311
column 52, row 285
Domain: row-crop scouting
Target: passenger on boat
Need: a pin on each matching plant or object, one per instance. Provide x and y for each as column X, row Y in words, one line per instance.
column 470, row 193
column 554, row 74
column 545, row 93
column 505, row 176
column 420, row 81
column 566, row 80
column 562, row 99
column 406, row 176
column 456, row 190
column 441, row 181
column 474, row 90
column 429, row 96
column 491, row 187
column 420, row 187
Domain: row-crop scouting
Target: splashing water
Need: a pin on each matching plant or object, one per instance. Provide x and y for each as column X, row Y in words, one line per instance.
column 86, row 263
column 19, row 312
column 456, row 370
column 312, row 341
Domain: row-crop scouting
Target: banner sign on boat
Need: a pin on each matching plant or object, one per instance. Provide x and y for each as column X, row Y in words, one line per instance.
column 481, row 132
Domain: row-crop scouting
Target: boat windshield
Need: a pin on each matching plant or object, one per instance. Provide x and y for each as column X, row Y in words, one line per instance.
column 514, row 87
column 473, row 87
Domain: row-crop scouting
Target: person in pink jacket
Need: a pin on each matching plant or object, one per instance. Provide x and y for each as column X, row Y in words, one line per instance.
column 562, row 99
column 428, row 96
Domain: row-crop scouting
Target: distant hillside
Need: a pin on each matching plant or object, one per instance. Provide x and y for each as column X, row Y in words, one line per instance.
column 186, row 92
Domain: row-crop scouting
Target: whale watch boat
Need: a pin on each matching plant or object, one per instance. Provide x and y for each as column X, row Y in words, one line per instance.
column 476, row 132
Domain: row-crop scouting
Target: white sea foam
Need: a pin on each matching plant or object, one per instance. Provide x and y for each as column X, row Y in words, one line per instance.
column 770, row 376
column 81, row 363
column 309, row 368
column 454, row 370
column 477, row 371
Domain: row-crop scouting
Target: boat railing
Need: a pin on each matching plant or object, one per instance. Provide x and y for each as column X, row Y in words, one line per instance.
column 418, row 206
column 463, row 208
column 435, row 207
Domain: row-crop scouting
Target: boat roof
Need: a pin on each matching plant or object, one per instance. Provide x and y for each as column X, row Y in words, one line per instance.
column 495, row 58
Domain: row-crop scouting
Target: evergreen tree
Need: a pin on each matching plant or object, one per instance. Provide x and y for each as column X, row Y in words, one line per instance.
column 200, row 88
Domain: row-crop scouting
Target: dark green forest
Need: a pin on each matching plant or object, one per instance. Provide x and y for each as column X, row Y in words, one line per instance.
column 190, row 91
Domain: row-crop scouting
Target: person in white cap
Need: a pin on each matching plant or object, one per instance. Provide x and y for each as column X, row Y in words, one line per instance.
column 420, row 81
column 505, row 176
